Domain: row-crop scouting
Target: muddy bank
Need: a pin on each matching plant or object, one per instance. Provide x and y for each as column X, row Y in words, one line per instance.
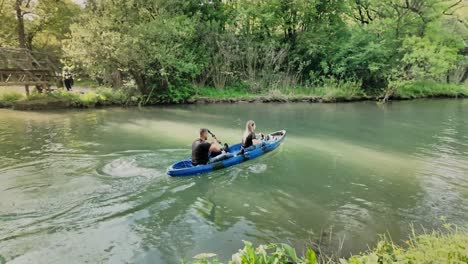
column 57, row 103
column 278, row 99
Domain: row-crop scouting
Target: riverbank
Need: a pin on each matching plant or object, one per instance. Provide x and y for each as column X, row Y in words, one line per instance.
column 102, row 97
column 62, row 99
column 435, row 247
column 92, row 101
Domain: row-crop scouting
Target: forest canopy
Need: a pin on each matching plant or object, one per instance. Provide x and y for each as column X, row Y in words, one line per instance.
column 171, row 46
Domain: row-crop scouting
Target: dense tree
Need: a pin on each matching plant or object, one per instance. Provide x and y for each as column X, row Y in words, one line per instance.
column 167, row 46
column 36, row 25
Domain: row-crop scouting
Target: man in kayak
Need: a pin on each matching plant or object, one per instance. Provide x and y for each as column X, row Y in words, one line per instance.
column 201, row 148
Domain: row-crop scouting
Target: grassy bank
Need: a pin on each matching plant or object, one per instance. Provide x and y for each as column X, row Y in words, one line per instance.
column 61, row 99
column 414, row 90
column 450, row 246
column 336, row 91
column 327, row 92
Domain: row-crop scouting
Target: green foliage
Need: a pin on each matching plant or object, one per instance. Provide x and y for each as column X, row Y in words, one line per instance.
column 46, row 24
column 238, row 91
column 166, row 46
column 99, row 97
column 11, row 97
column 332, row 89
column 8, row 37
column 271, row 254
column 418, row 89
column 362, row 55
column 152, row 47
column 171, row 95
column 113, row 96
column 447, row 246
column 435, row 247
column 426, row 59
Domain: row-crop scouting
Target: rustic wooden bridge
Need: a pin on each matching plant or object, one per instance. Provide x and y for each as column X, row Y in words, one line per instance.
column 24, row 67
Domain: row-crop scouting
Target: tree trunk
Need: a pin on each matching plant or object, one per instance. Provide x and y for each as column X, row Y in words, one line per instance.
column 116, row 79
column 20, row 28
column 388, row 95
column 140, row 81
column 29, row 40
column 464, row 76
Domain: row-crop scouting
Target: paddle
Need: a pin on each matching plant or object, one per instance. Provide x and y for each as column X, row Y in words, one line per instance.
column 226, row 146
column 213, row 135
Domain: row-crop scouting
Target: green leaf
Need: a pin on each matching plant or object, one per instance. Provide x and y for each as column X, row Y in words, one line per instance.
column 290, row 252
column 311, row 258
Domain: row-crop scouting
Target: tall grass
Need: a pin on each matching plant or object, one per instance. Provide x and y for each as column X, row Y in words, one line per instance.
column 100, row 96
column 329, row 89
column 420, row 89
column 239, row 91
column 11, row 97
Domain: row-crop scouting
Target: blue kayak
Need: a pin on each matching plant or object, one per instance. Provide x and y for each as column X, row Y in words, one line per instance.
column 186, row 168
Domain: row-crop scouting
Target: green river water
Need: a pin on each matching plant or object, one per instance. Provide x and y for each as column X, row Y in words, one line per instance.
column 90, row 185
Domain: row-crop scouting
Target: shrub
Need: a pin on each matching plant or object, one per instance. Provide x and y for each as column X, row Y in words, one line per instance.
column 448, row 246
column 112, row 96
column 90, row 99
column 273, row 253
column 331, row 89
column 171, row 95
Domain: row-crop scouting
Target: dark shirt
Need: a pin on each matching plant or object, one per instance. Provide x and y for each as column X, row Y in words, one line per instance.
column 200, row 152
column 247, row 142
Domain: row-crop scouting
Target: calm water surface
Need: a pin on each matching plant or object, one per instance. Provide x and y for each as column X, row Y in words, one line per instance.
column 90, row 185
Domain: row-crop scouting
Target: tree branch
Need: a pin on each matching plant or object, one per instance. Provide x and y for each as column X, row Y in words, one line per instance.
column 451, row 6
column 1, row 6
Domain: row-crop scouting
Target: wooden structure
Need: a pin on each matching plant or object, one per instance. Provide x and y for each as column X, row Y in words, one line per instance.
column 24, row 67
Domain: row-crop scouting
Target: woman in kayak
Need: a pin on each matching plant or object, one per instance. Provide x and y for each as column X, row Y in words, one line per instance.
column 249, row 138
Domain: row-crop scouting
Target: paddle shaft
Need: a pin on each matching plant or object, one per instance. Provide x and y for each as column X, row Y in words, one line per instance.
column 213, row 135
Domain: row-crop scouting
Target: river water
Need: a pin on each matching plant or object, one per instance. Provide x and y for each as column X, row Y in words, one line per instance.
column 90, row 185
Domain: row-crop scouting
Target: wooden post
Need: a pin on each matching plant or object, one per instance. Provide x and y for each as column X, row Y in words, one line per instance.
column 26, row 87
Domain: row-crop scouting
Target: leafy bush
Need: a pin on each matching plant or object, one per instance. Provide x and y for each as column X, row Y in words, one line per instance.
column 273, row 253
column 426, row 58
column 179, row 94
column 90, row 99
column 448, row 246
column 113, row 96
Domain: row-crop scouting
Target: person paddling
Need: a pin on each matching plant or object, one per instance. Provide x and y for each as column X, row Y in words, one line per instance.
column 201, row 148
column 249, row 138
